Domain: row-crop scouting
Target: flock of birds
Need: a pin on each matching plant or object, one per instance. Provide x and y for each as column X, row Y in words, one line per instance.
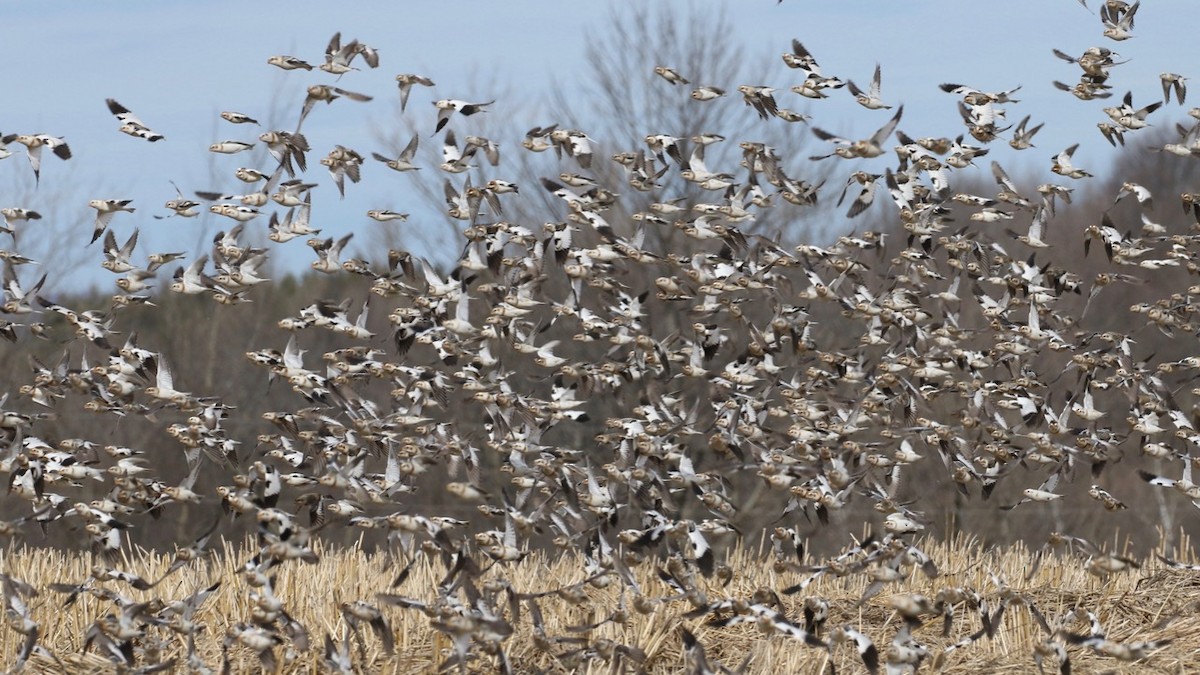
column 541, row 328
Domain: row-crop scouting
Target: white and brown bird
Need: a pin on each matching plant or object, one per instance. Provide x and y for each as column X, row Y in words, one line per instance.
column 761, row 98
column 234, row 117
column 338, row 56
column 12, row 215
column 329, row 253
column 870, row 98
column 1118, row 23
column 105, row 210
column 670, row 75
column 707, row 93
column 289, row 62
column 1063, row 167
column 33, row 144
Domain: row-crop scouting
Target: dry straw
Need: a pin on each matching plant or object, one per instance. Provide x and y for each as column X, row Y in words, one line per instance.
column 1154, row 602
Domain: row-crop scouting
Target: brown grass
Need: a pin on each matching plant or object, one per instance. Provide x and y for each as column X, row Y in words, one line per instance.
column 1132, row 606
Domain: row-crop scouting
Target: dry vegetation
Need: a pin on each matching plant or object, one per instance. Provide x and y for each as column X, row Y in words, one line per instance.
column 1153, row 603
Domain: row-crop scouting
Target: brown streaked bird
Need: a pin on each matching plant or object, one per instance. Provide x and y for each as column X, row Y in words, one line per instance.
column 328, row 94
column 1172, row 81
column 404, row 161
column 866, row 195
column 1118, row 23
column 761, row 98
column 866, row 148
column 1022, row 138
column 343, row 163
column 405, row 82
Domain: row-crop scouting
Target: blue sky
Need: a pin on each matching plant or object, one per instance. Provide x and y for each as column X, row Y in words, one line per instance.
column 178, row 64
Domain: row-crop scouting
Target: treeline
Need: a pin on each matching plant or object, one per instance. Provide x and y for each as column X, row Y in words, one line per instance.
column 205, row 346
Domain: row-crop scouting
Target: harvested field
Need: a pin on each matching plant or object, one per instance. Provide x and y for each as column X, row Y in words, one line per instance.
column 1154, row 603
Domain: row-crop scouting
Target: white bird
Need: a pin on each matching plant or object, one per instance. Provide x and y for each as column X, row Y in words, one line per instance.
column 164, row 385
column 191, row 281
column 230, row 147
column 1043, row 493
column 1184, row 485
column 448, row 106
column 1035, row 237
column 130, row 124
column 328, row 253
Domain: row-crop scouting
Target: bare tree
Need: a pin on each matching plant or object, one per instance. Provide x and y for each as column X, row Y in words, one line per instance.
column 616, row 101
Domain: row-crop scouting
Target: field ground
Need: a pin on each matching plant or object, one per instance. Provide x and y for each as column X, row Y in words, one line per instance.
column 1152, row 603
